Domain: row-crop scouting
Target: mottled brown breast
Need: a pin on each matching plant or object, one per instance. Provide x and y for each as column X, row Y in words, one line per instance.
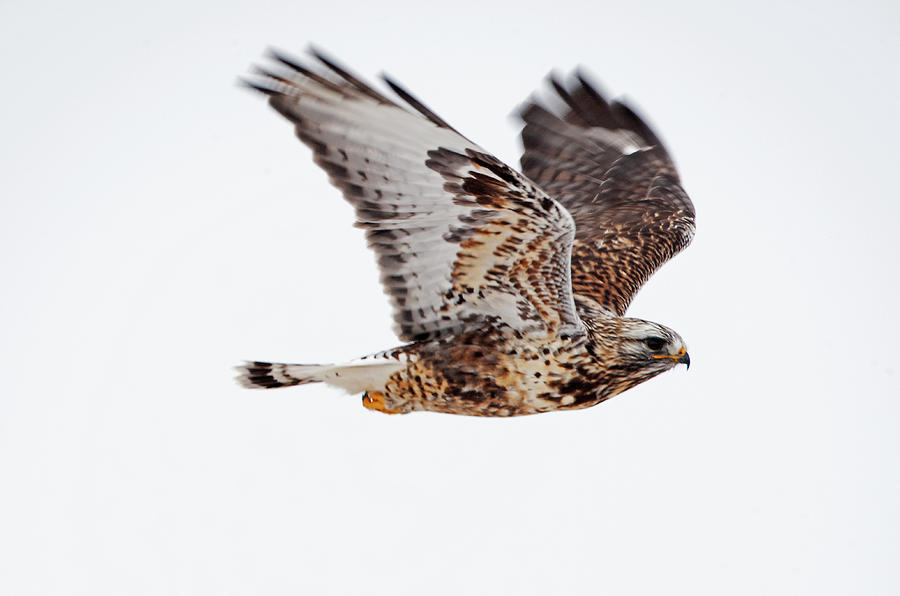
column 497, row 371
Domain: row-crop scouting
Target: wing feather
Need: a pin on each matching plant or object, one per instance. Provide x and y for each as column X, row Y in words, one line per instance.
column 612, row 173
column 460, row 238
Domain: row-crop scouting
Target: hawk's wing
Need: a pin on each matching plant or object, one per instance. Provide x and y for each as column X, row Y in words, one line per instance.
column 605, row 165
column 460, row 237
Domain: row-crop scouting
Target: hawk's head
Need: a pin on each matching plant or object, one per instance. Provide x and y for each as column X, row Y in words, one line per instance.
column 636, row 351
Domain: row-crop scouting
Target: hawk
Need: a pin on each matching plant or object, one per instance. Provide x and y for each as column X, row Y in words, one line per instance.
column 509, row 288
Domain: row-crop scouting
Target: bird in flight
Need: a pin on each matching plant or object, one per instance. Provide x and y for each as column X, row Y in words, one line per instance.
column 509, row 289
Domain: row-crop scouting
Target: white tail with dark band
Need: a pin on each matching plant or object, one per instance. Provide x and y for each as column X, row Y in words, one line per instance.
column 368, row 374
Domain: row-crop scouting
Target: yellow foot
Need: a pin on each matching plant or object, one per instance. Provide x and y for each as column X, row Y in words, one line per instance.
column 374, row 400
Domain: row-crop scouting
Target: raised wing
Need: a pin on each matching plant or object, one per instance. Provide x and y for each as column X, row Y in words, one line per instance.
column 608, row 169
column 460, row 237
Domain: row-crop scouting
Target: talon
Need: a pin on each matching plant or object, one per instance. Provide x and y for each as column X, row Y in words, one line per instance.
column 374, row 400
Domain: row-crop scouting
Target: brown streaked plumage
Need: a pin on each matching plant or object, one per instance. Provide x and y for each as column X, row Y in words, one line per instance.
column 608, row 169
column 510, row 290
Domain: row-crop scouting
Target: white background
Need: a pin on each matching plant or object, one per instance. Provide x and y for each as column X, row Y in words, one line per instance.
column 160, row 224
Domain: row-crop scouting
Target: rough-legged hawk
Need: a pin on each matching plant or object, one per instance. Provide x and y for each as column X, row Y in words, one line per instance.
column 509, row 289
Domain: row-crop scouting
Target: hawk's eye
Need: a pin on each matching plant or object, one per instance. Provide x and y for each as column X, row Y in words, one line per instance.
column 655, row 343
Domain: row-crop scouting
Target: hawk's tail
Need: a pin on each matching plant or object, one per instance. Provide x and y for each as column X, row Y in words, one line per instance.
column 268, row 375
column 366, row 374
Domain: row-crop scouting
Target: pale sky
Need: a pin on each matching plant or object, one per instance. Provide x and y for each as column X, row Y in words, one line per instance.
column 161, row 224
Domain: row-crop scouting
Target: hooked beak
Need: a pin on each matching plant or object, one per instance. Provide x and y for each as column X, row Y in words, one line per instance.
column 681, row 357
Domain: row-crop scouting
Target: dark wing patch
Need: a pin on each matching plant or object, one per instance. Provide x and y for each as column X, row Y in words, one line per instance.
column 608, row 168
column 460, row 237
